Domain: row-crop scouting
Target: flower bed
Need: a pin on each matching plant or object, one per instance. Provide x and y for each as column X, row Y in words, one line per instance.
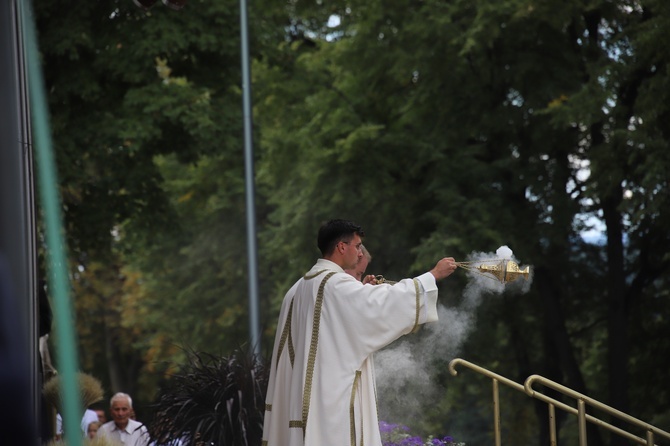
column 399, row 435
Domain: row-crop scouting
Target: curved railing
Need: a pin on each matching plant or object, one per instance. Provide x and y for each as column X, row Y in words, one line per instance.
column 651, row 432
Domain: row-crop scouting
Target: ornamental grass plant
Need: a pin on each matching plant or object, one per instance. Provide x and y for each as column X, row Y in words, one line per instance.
column 97, row 441
column 212, row 399
column 90, row 390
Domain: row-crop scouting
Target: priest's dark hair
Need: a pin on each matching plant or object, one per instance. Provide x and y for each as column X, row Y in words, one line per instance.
column 334, row 231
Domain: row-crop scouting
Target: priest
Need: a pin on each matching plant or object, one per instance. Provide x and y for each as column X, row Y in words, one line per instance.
column 321, row 390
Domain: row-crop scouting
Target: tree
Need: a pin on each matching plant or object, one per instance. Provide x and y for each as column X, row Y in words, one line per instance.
column 127, row 89
column 488, row 120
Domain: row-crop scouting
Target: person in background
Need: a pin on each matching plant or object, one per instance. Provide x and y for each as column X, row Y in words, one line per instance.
column 359, row 270
column 102, row 416
column 122, row 428
column 89, row 417
column 47, row 369
column 93, row 429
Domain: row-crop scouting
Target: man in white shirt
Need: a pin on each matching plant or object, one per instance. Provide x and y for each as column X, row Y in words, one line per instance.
column 122, row 428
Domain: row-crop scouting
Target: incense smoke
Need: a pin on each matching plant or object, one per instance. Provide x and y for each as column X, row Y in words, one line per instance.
column 404, row 382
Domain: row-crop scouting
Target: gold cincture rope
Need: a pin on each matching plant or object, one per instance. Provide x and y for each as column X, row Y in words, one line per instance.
column 475, row 265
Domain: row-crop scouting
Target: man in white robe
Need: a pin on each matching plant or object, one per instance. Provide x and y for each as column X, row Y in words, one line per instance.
column 322, row 389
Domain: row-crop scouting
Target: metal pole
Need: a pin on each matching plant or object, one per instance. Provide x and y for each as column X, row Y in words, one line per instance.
column 57, row 259
column 254, row 328
column 496, row 412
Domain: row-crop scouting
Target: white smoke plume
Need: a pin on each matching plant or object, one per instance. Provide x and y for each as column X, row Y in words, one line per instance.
column 404, row 383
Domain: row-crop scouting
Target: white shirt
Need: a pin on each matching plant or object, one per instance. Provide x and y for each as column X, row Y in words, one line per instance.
column 135, row 433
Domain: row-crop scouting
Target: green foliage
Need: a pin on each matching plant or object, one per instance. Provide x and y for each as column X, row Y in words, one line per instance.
column 146, row 105
column 203, row 257
column 214, row 399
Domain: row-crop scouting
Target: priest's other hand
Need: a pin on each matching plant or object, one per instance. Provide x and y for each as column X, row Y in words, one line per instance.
column 444, row 268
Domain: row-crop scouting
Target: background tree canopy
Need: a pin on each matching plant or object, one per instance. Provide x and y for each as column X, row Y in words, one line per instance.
column 444, row 128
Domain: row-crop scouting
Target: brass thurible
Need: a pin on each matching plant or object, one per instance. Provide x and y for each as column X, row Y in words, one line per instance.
column 503, row 270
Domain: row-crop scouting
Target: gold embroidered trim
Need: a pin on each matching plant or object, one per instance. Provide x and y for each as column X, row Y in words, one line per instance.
column 286, row 335
column 352, row 422
column 291, row 351
column 295, row 423
column 268, row 407
column 308, row 277
column 374, row 387
column 312, row 352
column 418, row 307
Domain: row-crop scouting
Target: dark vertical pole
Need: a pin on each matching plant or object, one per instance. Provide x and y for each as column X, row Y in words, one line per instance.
column 254, row 326
column 17, row 224
column 30, row 220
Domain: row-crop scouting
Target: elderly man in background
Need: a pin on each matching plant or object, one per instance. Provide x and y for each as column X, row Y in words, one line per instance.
column 359, row 270
column 123, row 429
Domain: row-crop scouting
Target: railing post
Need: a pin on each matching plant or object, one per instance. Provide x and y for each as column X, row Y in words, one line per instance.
column 496, row 412
column 581, row 415
column 553, row 441
column 650, row 438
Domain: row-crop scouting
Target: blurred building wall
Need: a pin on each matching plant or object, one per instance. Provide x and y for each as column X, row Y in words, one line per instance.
column 18, row 280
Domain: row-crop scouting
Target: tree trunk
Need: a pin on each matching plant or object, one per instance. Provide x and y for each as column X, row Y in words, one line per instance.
column 113, row 362
column 617, row 314
column 559, row 348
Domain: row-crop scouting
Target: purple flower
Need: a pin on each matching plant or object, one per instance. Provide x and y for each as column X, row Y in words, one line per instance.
column 446, row 441
column 385, row 427
column 398, row 435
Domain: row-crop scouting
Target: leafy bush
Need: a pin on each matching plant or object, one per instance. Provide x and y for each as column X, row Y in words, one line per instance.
column 219, row 400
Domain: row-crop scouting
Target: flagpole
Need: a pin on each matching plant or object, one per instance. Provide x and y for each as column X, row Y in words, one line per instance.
column 254, row 330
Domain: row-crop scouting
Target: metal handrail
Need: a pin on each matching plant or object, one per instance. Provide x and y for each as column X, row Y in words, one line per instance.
column 580, row 411
column 582, row 401
column 496, row 399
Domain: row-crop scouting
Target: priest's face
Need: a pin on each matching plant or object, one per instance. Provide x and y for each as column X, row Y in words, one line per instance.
column 353, row 252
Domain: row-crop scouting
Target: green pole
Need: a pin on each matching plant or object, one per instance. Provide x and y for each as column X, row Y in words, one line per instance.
column 56, row 258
